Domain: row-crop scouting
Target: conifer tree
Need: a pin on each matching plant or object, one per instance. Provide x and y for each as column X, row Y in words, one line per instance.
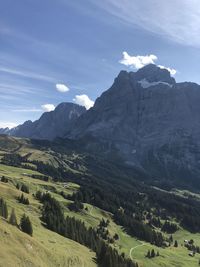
column 175, row 244
column 18, row 186
column 26, row 225
column 13, row 219
column 148, row 254
column 25, row 189
column 3, row 209
column 171, row 239
column 152, row 253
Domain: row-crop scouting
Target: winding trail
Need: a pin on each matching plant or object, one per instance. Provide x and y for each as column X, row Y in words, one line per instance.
column 91, row 210
column 131, row 250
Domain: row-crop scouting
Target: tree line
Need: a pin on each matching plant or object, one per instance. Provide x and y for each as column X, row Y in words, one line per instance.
column 53, row 216
column 25, row 224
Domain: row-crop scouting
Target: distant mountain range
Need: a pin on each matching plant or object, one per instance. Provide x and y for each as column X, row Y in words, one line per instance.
column 149, row 119
column 50, row 125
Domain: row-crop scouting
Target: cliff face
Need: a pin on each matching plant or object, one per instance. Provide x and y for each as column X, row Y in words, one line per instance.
column 145, row 117
column 153, row 121
column 51, row 124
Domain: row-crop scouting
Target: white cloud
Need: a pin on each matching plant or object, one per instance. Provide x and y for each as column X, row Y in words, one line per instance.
column 83, row 100
column 62, row 88
column 137, row 62
column 172, row 71
column 177, row 20
column 8, row 125
column 48, row 107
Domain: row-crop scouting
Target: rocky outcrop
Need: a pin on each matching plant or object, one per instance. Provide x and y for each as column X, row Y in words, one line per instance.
column 153, row 121
column 51, row 124
column 149, row 119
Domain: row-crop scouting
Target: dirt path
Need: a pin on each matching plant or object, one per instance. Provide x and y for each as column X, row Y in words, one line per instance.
column 91, row 210
column 131, row 250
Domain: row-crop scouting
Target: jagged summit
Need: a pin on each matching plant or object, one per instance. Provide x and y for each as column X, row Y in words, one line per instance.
column 151, row 73
column 152, row 121
column 51, row 124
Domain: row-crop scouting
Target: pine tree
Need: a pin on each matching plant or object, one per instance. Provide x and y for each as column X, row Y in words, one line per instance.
column 116, row 236
column 26, row 225
column 175, row 244
column 171, row 239
column 25, row 189
column 18, row 186
column 148, row 254
column 13, row 219
column 153, row 253
column 3, row 209
column 23, row 200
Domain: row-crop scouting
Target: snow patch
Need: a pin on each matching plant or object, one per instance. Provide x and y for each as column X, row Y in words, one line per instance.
column 146, row 84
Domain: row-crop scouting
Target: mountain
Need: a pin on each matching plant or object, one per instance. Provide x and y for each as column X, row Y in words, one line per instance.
column 146, row 118
column 51, row 124
column 153, row 122
column 4, row 130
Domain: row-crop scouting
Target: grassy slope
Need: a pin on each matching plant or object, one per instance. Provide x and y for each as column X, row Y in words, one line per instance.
column 171, row 256
column 168, row 257
column 45, row 248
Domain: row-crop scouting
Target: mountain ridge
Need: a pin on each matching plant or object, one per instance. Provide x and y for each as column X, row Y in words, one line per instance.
column 50, row 125
column 149, row 119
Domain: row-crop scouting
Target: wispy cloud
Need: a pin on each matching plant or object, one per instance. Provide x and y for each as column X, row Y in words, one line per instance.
column 84, row 100
column 9, row 88
column 27, row 74
column 177, row 20
column 27, row 110
column 48, row 107
column 62, row 87
column 138, row 62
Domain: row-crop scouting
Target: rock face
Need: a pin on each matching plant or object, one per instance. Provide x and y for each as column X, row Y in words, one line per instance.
column 51, row 124
column 4, row 130
column 153, row 121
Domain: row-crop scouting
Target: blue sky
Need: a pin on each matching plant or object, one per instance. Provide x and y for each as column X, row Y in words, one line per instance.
column 54, row 51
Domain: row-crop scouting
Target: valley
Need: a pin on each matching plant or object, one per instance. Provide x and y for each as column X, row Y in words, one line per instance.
column 51, row 249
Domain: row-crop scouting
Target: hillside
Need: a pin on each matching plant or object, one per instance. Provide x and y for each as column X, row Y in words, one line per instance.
column 46, row 248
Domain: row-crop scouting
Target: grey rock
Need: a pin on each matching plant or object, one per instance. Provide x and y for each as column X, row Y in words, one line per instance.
column 51, row 124
column 155, row 128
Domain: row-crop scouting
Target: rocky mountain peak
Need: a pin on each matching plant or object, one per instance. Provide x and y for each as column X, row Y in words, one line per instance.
column 153, row 73
column 51, row 124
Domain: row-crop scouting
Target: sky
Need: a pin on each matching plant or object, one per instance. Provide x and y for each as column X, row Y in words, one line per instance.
column 54, row 51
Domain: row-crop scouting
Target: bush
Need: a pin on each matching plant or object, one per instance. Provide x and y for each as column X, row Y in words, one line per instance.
column 4, row 179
